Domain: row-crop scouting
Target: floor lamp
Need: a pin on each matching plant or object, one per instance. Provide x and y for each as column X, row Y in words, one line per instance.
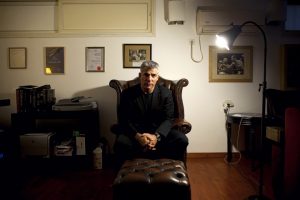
column 226, row 40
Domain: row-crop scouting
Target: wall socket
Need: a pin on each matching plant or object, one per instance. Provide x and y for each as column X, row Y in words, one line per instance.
column 228, row 104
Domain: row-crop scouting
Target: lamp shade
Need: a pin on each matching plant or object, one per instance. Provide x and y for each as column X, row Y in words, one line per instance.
column 226, row 38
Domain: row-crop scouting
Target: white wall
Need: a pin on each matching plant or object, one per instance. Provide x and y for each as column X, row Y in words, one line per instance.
column 171, row 49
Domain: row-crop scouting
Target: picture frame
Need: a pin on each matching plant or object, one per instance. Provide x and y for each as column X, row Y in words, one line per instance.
column 94, row 59
column 235, row 65
column 54, row 60
column 17, row 58
column 135, row 54
column 289, row 67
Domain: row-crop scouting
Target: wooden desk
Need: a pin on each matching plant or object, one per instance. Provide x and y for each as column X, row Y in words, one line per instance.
column 250, row 121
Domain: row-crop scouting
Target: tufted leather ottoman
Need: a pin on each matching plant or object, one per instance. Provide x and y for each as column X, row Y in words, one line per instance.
column 152, row 179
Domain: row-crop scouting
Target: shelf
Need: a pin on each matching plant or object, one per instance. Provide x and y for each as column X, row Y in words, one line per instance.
column 63, row 124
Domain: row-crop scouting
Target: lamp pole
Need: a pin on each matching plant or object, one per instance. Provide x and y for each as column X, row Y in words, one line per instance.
column 232, row 34
column 262, row 85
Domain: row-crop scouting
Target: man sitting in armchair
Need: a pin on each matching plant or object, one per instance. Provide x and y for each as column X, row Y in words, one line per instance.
column 146, row 118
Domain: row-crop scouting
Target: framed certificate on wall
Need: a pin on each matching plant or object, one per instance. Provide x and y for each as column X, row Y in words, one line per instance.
column 55, row 60
column 94, row 57
column 17, row 58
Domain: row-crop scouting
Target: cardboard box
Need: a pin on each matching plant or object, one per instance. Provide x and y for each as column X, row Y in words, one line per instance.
column 274, row 133
column 80, row 145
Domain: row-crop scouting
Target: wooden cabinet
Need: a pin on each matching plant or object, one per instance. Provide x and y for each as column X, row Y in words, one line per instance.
column 77, row 17
column 63, row 124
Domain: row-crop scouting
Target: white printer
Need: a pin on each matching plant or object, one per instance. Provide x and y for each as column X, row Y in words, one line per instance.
column 75, row 104
column 37, row 144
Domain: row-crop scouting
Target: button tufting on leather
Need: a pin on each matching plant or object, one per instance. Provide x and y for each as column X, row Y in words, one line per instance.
column 152, row 179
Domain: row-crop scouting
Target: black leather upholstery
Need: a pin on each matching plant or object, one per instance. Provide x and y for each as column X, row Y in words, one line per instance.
column 152, row 179
column 175, row 86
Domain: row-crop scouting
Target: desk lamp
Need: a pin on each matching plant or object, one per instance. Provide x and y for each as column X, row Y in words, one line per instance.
column 225, row 40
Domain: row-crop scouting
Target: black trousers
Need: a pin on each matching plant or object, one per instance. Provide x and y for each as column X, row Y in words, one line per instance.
column 173, row 147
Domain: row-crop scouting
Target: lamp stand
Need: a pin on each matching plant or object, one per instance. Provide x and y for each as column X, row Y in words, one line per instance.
column 263, row 85
column 230, row 36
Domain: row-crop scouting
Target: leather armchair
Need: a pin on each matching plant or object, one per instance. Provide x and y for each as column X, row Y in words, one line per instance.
column 283, row 110
column 175, row 86
column 291, row 173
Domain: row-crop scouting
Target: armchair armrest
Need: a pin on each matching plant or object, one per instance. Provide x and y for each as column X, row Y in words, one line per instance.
column 116, row 129
column 179, row 124
column 182, row 125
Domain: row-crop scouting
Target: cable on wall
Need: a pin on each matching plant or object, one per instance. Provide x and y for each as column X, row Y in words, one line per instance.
column 227, row 105
column 237, row 146
column 200, row 48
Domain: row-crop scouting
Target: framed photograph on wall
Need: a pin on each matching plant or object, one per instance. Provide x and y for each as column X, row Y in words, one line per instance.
column 234, row 65
column 54, row 60
column 94, row 59
column 135, row 54
column 17, row 57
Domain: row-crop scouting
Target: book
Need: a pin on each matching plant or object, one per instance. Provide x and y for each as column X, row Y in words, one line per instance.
column 31, row 98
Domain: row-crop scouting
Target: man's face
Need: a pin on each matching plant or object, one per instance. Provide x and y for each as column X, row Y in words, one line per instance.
column 148, row 79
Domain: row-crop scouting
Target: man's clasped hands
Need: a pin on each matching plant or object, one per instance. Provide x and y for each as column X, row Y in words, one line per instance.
column 147, row 140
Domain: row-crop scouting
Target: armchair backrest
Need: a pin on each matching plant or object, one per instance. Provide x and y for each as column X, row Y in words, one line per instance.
column 175, row 86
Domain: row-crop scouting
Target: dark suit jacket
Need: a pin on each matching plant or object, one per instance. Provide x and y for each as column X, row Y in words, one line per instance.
column 135, row 116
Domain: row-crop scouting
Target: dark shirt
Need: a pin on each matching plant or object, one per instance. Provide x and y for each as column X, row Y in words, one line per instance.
column 140, row 112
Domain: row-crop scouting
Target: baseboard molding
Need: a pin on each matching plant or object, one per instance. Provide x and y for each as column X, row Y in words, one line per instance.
column 210, row 155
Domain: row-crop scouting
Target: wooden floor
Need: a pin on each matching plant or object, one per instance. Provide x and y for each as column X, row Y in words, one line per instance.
column 210, row 178
column 213, row 178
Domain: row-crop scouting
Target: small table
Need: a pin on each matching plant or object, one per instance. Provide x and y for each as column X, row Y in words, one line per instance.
column 250, row 121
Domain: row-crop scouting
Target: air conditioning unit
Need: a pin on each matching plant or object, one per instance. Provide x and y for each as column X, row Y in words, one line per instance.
column 174, row 11
column 212, row 20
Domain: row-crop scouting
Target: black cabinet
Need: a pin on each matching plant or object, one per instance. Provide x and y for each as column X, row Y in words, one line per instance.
column 63, row 124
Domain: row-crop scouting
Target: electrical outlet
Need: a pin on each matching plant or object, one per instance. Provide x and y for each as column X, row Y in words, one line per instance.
column 228, row 104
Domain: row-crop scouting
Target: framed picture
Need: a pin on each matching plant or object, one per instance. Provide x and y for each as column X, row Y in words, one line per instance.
column 94, row 59
column 54, row 60
column 289, row 68
column 17, row 58
column 135, row 54
column 234, row 65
